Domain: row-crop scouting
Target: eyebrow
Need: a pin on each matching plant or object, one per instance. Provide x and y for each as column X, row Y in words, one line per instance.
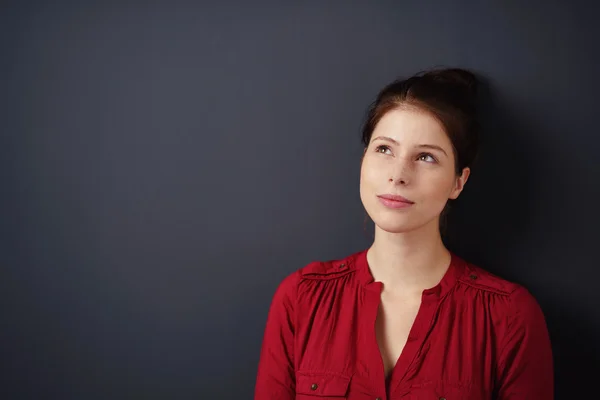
column 421, row 146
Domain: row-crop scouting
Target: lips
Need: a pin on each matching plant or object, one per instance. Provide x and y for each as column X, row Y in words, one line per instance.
column 395, row 201
column 394, row 197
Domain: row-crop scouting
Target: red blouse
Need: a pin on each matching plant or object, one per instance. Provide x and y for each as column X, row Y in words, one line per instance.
column 476, row 336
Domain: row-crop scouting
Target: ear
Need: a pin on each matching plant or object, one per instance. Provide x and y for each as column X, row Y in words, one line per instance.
column 460, row 183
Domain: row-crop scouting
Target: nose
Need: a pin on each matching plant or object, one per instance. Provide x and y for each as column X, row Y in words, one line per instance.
column 402, row 172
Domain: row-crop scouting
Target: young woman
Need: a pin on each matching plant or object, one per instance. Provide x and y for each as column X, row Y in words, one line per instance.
column 407, row 318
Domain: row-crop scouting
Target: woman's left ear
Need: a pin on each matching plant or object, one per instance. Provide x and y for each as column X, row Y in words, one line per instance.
column 460, row 183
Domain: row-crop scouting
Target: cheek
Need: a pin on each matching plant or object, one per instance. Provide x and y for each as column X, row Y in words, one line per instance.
column 368, row 182
column 370, row 178
column 372, row 171
column 438, row 186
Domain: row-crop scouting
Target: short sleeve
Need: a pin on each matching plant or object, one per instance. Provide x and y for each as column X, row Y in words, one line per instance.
column 525, row 365
column 276, row 372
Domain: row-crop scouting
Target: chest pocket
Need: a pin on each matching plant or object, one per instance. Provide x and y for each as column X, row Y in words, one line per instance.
column 321, row 385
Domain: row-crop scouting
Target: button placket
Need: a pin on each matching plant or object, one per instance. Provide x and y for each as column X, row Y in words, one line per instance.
column 423, row 324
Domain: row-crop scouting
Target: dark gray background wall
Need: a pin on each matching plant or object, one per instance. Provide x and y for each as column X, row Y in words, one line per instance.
column 164, row 166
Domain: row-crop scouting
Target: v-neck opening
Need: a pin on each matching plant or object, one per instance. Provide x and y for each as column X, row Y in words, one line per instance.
column 419, row 331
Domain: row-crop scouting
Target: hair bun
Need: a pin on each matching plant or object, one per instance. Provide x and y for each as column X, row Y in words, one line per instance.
column 456, row 77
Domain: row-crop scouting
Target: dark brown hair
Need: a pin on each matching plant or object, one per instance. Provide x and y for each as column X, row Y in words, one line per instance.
column 450, row 95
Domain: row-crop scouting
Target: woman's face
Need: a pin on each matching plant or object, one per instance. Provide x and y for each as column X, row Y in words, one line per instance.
column 409, row 155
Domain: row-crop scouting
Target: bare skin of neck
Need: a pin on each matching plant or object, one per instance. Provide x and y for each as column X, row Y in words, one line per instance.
column 409, row 262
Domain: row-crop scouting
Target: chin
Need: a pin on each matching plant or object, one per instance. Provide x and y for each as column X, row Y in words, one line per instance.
column 393, row 222
column 396, row 227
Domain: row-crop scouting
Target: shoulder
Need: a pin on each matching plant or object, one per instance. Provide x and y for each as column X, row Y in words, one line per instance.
column 482, row 279
column 518, row 300
column 328, row 269
column 316, row 270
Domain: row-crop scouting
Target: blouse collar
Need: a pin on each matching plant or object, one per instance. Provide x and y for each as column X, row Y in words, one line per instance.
column 451, row 276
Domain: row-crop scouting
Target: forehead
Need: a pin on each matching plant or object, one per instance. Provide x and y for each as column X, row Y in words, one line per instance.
column 411, row 125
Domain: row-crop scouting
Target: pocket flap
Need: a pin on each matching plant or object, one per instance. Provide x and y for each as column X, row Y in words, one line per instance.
column 322, row 384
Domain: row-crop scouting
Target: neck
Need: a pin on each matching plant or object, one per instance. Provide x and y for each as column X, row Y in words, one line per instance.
column 409, row 262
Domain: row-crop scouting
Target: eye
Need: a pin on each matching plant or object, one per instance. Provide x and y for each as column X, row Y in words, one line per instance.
column 427, row 158
column 383, row 149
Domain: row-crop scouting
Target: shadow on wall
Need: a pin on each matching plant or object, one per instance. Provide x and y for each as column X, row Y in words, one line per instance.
column 493, row 214
column 489, row 223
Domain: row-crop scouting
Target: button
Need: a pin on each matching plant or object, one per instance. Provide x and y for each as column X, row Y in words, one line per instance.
column 473, row 276
column 314, row 386
column 379, row 398
column 342, row 265
column 442, row 398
